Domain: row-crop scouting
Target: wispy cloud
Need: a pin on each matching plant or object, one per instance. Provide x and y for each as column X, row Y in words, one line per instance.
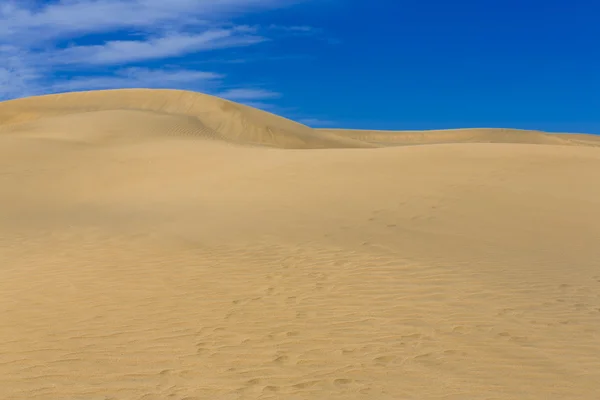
column 30, row 19
column 142, row 78
column 172, row 45
column 67, row 45
column 17, row 76
column 296, row 29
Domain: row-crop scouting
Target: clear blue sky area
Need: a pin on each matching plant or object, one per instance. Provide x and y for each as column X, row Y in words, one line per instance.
column 383, row 64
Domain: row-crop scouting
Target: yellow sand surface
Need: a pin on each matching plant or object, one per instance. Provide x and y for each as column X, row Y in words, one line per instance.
column 160, row 244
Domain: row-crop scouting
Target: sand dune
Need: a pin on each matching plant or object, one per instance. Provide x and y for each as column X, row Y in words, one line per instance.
column 475, row 135
column 588, row 140
column 176, row 113
column 157, row 245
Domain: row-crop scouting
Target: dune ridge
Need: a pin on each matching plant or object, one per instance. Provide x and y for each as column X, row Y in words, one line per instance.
column 181, row 113
column 210, row 117
column 467, row 135
column 169, row 245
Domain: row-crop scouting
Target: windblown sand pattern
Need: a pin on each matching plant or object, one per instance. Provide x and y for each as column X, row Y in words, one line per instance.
column 170, row 245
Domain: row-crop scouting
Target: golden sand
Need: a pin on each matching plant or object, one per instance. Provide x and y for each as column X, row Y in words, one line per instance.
column 161, row 244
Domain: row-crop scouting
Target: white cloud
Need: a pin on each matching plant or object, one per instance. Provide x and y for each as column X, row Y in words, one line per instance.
column 142, row 78
column 17, row 77
column 27, row 19
column 242, row 94
column 296, row 29
column 66, row 45
column 173, row 45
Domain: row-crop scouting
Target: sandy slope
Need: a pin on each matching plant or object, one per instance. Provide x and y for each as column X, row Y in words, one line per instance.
column 476, row 135
column 588, row 140
column 163, row 112
column 144, row 255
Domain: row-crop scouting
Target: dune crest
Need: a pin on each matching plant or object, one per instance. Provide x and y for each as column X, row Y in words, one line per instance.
column 187, row 113
column 138, row 114
column 470, row 135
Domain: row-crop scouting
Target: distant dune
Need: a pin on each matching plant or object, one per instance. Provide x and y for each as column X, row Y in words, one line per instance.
column 476, row 135
column 158, row 244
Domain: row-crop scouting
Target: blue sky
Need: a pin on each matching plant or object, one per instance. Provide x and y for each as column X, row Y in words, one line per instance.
column 380, row 64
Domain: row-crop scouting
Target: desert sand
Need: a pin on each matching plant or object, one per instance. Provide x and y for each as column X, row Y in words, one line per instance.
column 160, row 244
